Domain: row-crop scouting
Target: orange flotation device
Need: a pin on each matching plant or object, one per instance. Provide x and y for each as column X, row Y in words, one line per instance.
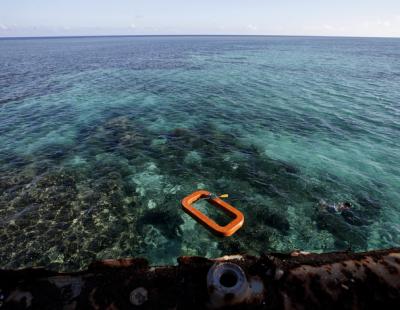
column 227, row 230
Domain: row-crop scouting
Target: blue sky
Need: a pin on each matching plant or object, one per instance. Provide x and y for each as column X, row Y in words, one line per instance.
column 283, row 17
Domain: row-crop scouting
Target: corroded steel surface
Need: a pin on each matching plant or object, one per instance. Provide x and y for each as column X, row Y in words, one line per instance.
column 288, row 281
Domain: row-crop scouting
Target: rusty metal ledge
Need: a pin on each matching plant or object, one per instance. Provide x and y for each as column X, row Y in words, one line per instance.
column 273, row 281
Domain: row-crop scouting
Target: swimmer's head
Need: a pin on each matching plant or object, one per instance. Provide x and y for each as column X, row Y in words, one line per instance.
column 344, row 206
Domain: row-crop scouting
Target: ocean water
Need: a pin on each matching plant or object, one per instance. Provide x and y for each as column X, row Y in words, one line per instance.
column 100, row 139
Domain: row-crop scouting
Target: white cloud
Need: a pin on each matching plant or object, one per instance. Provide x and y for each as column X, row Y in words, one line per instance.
column 133, row 26
column 3, row 27
column 328, row 27
column 252, row 27
column 384, row 23
column 377, row 23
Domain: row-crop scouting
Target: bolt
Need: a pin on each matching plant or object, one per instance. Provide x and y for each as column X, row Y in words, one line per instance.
column 138, row 296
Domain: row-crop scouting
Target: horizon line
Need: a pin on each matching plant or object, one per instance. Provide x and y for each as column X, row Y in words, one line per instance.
column 195, row 35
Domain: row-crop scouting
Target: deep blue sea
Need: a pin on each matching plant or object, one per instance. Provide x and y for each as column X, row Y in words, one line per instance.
column 100, row 139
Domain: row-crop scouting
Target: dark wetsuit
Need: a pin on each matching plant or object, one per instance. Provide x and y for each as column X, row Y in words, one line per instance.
column 350, row 218
column 331, row 208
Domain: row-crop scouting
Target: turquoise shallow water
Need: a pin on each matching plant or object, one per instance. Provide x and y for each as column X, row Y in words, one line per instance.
column 100, row 139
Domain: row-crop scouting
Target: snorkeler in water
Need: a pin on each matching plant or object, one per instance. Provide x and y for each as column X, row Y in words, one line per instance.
column 335, row 208
column 344, row 208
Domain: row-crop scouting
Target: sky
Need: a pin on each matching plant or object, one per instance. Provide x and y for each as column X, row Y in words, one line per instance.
column 376, row 18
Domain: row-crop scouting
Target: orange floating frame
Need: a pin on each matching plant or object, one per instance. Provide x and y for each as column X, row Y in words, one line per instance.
column 227, row 230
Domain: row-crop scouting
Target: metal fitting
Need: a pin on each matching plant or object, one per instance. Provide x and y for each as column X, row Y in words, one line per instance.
column 227, row 285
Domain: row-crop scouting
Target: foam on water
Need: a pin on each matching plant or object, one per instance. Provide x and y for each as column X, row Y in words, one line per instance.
column 100, row 139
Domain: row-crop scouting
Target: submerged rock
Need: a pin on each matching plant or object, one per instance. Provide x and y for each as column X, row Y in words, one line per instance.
column 119, row 135
column 168, row 221
column 65, row 207
column 278, row 222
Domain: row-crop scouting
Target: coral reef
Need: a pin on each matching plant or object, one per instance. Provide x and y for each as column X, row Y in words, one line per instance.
column 116, row 193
